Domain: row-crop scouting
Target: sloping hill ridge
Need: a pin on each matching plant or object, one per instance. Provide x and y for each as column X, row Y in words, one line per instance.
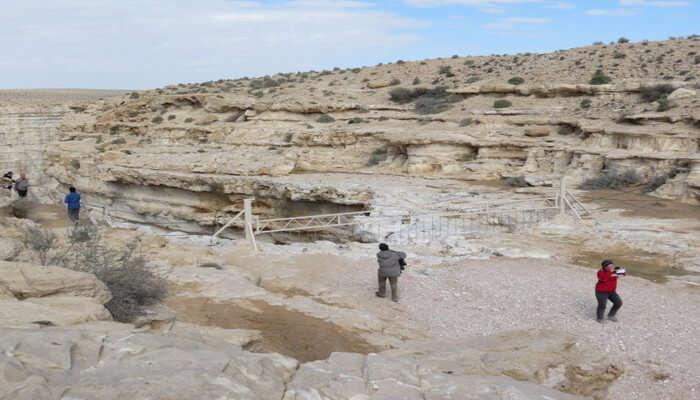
column 185, row 154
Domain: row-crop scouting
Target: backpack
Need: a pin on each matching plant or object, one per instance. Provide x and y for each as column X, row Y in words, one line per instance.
column 402, row 264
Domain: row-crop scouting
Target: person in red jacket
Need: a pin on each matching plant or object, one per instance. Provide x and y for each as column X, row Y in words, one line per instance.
column 606, row 288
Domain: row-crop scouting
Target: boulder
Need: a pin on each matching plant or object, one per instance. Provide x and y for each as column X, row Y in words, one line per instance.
column 682, row 94
column 157, row 316
column 51, row 311
column 537, row 131
column 249, row 114
column 515, row 365
column 9, row 248
column 27, row 281
column 51, row 363
column 378, row 84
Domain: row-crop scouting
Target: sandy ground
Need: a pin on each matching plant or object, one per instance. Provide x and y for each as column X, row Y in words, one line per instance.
column 657, row 337
column 54, row 96
column 444, row 295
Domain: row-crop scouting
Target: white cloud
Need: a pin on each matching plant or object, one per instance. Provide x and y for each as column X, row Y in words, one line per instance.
column 482, row 4
column 138, row 44
column 615, row 12
column 511, row 22
column 654, row 3
column 560, row 5
column 492, row 10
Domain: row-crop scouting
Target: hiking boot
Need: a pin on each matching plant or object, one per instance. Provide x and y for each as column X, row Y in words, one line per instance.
column 600, row 321
column 612, row 318
column 379, row 294
column 395, row 300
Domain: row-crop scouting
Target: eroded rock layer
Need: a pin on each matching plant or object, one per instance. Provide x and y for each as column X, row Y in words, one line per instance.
column 184, row 156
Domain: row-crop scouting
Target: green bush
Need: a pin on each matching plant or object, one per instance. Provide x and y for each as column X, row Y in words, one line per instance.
column 378, row 156
column 325, row 119
column 134, row 95
column 465, row 122
column 427, row 101
column 611, row 180
column 664, row 105
column 132, row 284
column 502, row 103
column 599, row 78
column 454, row 98
column 445, row 69
column 401, row 95
column 565, row 130
column 650, row 94
column 516, row 80
column 623, row 40
column 171, row 117
column 394, row 82
column 430, row 105
column 157, row 120
column 188, row 120
column 517, row 181
column 619, row 55
column 416, row 81
column 660, row 180
column 586, row 103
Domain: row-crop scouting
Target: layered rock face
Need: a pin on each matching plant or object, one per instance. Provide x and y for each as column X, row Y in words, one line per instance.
column 183, row 156
column 29, row 124
column 84, row 364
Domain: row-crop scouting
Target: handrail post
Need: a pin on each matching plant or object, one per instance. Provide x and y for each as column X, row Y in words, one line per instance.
column 562, row 195
column 248, row 213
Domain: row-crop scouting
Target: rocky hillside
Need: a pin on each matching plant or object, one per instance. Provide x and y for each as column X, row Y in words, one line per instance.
column 182, row 156
column 29, row 121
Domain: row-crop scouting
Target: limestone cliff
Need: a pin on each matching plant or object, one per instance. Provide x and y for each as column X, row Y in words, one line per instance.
column 182, row 156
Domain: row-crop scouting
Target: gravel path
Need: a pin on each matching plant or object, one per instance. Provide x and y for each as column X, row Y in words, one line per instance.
column 657, row 338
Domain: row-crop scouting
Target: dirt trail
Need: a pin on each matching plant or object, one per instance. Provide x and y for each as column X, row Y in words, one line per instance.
column 638, row 204
column 284, row 331
column 47, row 215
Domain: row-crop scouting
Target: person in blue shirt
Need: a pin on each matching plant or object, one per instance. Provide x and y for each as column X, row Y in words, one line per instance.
column 73, row 202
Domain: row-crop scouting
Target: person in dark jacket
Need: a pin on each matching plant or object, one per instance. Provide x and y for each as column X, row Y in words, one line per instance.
column 22, row 185
column 606, row 288
column 389, row 268
column 7, row 180
column 72, row 201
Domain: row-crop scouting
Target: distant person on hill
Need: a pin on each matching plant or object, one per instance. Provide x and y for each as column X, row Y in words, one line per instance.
column 606, row 288
column 390, row 266
column 72, row 201
column 22, row 185
column 7, row 180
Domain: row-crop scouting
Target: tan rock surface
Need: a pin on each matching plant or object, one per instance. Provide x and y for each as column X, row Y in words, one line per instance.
column 30, row 281
column 215, row 147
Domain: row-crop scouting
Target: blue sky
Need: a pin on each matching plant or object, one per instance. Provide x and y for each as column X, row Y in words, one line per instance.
column 141, row 44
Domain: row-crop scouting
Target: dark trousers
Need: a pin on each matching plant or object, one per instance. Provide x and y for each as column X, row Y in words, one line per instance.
column 603, row 298
column 74, row 214
column 393, row 280
column 22, row 193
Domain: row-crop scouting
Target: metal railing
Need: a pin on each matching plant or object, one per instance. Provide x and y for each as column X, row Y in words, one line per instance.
column 309, row 222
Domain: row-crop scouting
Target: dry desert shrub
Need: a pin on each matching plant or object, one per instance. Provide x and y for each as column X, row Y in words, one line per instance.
column 611, row 180
column 123, row 270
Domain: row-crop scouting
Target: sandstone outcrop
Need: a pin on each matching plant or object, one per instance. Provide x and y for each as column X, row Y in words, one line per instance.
column 183, row 157
column 25, row 281
column 54, row 363
column 33, row 294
